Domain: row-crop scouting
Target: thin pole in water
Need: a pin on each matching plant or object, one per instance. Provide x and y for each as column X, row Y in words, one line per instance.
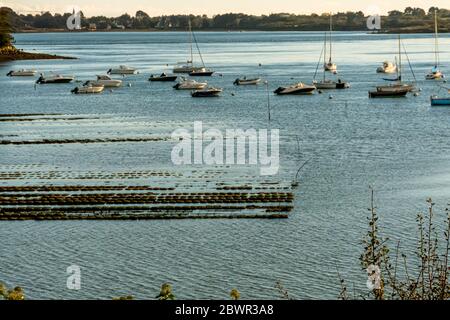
column 268, row 97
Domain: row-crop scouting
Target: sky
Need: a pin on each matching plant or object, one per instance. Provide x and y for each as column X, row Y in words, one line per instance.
column 211, row 7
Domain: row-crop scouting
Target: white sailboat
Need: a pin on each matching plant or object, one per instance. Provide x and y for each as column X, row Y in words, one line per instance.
column 387, row 67
column 189, row 66
column 327, row 83
column 330, row 66
column 397, row 89
column 435, row 73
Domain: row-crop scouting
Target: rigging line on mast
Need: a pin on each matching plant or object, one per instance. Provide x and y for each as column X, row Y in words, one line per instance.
column 409, row 62
column 198, row 48
column 318, row 64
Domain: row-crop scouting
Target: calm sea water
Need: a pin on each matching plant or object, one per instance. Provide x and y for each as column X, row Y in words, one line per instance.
column 398, row 146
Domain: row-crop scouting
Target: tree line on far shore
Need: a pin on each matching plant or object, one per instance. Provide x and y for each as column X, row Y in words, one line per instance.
column 408, row 20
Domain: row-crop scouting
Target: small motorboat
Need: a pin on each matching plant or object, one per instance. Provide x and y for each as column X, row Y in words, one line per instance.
column 190, row 84
column 163, row 77
column 244, row 81
column 387, row 67
column 396, row 90
column 299, row 88
column 330, row 84
column 54, row 79
column 21, row 73
column 122, row 70
column 206, row 93
column 436, row 101
column 201, row 72
column 86, row 89
column 105, row 81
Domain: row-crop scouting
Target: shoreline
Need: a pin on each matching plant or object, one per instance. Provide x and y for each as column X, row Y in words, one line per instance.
column 392, row 31
column 17, row 55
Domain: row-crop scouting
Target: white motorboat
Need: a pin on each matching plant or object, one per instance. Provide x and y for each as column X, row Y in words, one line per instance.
column 54, row 78
column 190, row 84
column 105, row 81
column 244, row 81
column 21, row 73
column 122, row 70
column 299, row 88
column 206, row 93
column 435, row 73
column 86, row 89
column 387, row 67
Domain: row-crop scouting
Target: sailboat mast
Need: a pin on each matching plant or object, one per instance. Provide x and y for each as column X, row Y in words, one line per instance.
column 436, row 44
column 324, row 54
column 190, row 42
column 399, row 71
column 331, row 29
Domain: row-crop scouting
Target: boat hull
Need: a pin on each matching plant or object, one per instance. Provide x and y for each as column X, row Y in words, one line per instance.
column 54, row 81
column 206, row 94
column 388, row 94
column 21, row 74
column 246, row 82
column 201, row 73
column 163, row 79
column 440, row 101
column 294, row 91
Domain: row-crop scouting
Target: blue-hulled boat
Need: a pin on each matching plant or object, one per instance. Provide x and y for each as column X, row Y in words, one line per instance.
column 436, row 101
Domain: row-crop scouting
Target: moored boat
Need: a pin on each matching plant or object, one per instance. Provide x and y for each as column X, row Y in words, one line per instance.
column 397, row 89
column 389, row 91
column 387, row 67
column 122, row 70
column 299, row 88
column 201, row 72
column 21, row 73
column 206, row 93
column 162, row 77
column 330, row 66
column 87, row 89
column 54, row 79
column 244, row 81
column 190, row 84
column 105, row 81
column 437, row 101
column 435, row 73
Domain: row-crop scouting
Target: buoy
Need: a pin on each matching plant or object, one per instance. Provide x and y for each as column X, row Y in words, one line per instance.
column 319, row 91
column 416, row 94
column 330, row 97
column 129, row 85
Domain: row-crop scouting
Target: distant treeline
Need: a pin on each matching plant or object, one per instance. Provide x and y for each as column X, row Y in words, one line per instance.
column 410, row 20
